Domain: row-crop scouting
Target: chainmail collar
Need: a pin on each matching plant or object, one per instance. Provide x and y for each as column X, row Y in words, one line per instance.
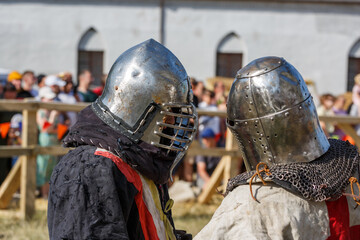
column 322, row 179
column 145, row 158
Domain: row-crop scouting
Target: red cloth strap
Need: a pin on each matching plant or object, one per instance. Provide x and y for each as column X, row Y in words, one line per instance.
column 146, row 220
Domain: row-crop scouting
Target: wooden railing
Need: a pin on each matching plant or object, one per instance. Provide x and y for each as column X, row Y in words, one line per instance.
column 23, row 174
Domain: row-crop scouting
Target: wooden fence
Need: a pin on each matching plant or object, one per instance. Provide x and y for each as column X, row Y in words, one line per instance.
column 23, row 174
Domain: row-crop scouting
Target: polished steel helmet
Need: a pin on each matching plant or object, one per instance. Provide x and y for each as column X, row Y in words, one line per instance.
column 272, row 115
column 148, row 97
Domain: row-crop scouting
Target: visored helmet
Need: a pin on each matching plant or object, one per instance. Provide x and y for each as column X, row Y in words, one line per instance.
column 148, row 97
column 272, row 114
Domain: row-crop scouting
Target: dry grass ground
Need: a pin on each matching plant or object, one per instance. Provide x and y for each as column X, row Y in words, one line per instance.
column 189, row 216
column 11, row 227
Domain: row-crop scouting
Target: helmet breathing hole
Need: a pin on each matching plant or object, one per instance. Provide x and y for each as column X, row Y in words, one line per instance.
column 231, row 123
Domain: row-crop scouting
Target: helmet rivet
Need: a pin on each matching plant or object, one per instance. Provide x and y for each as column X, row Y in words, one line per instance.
column 245, row 123
column 251, row 102
column 272, row 118
column 270, row 159
column 286, row 114
column 261, row 134
column 300, row 107
column 266, row 147
column 256, row 121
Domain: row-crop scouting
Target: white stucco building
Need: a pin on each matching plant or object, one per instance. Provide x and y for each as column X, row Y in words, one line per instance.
column 319, row 37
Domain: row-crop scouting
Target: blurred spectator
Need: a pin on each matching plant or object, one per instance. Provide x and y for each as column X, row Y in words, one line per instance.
column 9, row 91
column 98, row 90
column 209, row 104
column 29, row 85
column 198, row 90
column 338, row 109
column 356, row 91
column 67, row 96
column 5, row 118
column 355, row 107
column 194, row 84
column 205, row 165
column 41, row 80
column 326, row 109
column 219, row 90
column 14, row 135
column 15, row 78
column 47, row 124
column 83, row 89
column 339, row 106
column 69, row 87
column 221, row 99
column 55, row 83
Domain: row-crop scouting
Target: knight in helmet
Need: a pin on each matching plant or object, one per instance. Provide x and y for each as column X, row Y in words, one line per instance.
column 113, row 184
column 298, row 184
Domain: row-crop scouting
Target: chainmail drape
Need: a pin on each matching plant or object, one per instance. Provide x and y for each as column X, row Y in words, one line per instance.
column 322, row 179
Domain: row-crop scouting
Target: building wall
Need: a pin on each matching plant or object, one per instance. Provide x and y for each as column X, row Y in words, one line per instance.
column 315, row 38
column 44, row 35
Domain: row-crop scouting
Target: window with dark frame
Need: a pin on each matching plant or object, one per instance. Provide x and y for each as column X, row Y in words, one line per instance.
column 227, row 64
column 92, row 61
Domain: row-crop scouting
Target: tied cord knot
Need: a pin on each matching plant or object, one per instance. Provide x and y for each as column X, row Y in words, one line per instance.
column 353, row 180
column 258, row 173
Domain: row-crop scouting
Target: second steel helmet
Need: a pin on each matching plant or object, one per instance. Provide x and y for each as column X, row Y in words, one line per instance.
column 272, row 114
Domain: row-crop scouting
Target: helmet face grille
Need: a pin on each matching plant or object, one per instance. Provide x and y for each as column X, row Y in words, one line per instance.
column 178, row 128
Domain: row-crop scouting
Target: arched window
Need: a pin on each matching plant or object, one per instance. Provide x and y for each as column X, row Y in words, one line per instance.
column 91, row 54
column 229, row 55
column 354, row 64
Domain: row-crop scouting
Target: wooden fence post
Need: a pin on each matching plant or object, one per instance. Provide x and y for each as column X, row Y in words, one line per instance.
column 28, row 165
column 221, row 172
column 11, row 184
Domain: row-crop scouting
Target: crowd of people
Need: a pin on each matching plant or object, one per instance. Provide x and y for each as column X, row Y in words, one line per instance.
column 61, row 88
column 52, row 124
column 211, row 133
column 341, row 105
